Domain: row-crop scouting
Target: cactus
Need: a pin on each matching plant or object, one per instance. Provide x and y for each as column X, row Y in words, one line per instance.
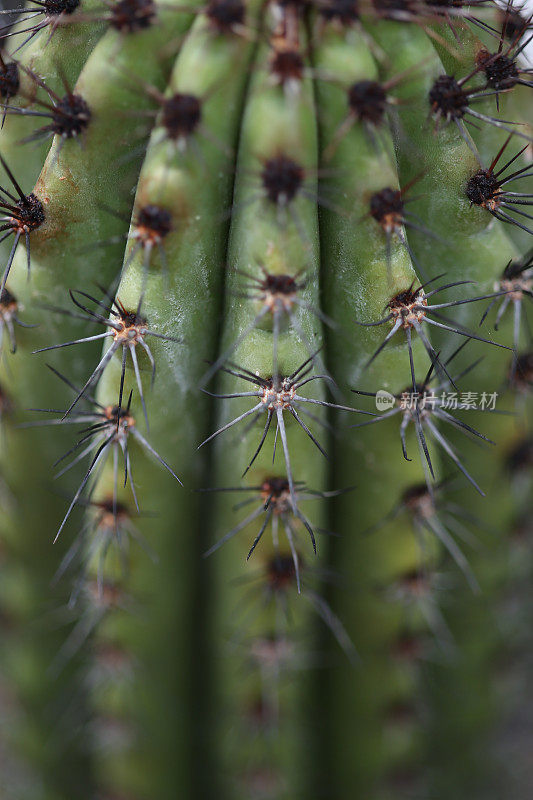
column 259, row 260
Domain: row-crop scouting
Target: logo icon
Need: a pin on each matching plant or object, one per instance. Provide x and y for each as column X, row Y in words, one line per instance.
column 384, row 400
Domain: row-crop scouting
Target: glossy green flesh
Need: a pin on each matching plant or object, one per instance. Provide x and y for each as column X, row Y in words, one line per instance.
column 179, row 714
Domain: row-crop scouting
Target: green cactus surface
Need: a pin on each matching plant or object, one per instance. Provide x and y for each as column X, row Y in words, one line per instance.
column 265, row 400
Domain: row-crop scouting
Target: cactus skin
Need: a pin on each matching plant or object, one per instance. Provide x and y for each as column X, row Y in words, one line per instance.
column 217, row 677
